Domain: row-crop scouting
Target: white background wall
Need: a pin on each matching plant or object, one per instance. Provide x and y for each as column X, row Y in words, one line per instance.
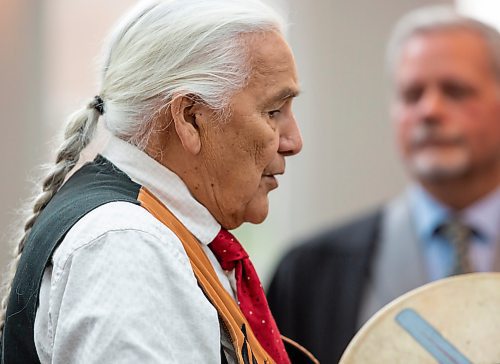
column 484, row 10
column 348, row 163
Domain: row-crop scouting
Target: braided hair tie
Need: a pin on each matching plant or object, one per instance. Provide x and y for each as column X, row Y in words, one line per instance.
column 97, row 104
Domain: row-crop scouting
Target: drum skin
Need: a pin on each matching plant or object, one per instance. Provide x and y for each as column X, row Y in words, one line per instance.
column 462, row 312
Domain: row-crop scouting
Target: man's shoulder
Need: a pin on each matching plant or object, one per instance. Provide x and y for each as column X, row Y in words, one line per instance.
column 116, row 220
column 334, row 259
column 350, row 237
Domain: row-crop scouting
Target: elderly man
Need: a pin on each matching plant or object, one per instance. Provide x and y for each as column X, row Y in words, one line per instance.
column 445, row 71
column 130, row 260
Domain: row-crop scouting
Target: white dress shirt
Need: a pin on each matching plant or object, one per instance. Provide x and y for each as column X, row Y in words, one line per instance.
column 121, row 289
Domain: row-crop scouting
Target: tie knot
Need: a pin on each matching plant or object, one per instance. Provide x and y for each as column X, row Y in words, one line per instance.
column 227, row 249
column 455, row 230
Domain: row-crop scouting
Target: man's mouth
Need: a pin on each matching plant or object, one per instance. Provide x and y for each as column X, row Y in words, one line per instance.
column 426, row 138
column 434, row 144
column 273, row 174
column 271, row 179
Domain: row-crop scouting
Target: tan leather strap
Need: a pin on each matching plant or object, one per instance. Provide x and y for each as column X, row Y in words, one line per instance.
column 245, row 346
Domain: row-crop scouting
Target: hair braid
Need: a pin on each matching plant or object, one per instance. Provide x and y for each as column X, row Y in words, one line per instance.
column 79, row 131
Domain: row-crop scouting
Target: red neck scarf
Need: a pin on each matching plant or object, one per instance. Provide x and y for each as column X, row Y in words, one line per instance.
column 251, row 297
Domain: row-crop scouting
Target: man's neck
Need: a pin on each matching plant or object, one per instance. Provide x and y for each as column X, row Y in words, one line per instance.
column 461, row 193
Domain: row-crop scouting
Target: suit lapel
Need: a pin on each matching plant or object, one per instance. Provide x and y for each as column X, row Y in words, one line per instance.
column 402, row 265
column 399, row 264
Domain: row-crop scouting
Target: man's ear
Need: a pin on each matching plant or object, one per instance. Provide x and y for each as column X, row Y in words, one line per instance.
column 184, row 117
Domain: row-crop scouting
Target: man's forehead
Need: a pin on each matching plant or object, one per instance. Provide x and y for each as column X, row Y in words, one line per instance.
column 273, row 74
column 269, row 53
column 444, row 54
column 458, row 44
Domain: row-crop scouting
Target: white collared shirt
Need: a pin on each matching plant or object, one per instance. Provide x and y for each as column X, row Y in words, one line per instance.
column 121, row 288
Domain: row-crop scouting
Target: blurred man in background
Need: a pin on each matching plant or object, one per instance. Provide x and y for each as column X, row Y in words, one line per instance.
column 445, row 75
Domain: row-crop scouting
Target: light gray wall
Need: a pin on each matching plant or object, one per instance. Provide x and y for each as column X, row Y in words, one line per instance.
column 21, row 147
column 349, row 160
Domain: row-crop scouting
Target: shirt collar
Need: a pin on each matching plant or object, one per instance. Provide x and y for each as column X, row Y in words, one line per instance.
column 483, row 215
column 428, row 213
column 165, row 185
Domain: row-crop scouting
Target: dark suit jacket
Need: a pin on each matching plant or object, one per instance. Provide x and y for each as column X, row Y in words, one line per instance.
column 315, row 294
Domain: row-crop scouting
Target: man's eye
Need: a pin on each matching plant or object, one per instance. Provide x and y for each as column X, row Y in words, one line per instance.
column 412, row 94
column 457, row 91
column 273, row 114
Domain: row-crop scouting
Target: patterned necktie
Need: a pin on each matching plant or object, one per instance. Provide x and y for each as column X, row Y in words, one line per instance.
column 251, row 298
column 459, row 236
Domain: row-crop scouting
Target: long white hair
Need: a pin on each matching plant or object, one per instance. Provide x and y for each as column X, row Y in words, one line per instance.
column 159, row 50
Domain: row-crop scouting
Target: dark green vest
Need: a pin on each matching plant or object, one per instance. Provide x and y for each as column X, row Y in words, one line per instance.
column 93, row 185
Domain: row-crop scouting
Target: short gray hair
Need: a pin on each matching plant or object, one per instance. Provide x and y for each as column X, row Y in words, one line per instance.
column 440, row 18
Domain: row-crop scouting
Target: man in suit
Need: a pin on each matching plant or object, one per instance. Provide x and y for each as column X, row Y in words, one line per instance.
column 445, row 73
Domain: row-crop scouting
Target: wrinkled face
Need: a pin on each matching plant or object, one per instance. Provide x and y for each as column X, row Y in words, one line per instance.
column 244, row 154
column 447, row 105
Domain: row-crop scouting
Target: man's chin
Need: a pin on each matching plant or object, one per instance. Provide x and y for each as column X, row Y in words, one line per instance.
column 438, row 168
column 257, row 211
column 257, row 218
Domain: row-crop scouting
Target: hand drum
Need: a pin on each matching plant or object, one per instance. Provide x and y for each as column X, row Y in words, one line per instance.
column 454, row 320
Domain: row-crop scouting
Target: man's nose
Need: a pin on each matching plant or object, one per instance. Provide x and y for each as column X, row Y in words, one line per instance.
column 290, row 142
column 431, row 106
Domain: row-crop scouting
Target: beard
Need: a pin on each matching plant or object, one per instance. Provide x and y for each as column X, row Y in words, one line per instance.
column 437, row 155
column 433, row 165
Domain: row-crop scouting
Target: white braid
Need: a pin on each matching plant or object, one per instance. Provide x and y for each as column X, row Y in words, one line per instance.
column 78, row 133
